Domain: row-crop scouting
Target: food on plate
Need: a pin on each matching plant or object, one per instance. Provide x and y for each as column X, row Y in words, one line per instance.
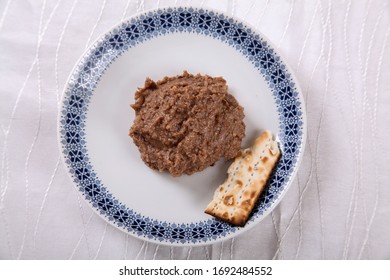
column 186, row 123
column 234, row 200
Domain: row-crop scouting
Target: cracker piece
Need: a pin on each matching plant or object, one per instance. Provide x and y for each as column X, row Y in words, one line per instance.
column 234, row 200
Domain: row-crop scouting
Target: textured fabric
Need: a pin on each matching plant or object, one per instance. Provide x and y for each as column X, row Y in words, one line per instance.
column 338, row 204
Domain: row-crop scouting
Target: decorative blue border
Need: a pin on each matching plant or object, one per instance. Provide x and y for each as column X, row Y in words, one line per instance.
column 145, row 27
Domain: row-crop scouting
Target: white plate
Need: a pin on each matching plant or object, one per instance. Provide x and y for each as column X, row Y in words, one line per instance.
column 95, row 118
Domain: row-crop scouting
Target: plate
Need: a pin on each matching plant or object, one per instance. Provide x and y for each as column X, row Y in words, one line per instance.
column 95, row 119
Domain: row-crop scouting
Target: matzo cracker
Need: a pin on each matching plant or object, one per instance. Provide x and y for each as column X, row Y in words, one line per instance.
column 234, row 200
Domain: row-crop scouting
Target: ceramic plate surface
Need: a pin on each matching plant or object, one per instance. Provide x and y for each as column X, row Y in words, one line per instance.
column 95, row 119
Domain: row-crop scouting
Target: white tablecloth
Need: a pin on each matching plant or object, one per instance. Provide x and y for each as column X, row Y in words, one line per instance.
column 338, row 206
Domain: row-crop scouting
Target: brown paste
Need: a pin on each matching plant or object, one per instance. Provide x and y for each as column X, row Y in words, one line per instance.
column 186, row 123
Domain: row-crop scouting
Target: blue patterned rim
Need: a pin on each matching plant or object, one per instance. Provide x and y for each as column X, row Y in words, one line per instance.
column 90, row 68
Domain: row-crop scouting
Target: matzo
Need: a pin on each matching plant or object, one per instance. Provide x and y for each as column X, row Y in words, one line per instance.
column 234, row 200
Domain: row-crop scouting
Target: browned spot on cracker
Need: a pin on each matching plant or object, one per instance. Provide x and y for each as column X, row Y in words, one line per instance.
column 239, row 183
column 249, row 156
column 264, row 136
column 264, row 159
column 260, row 169
column 246, row 204
column 250, row 168
column 253, row 194
column 228, row 200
